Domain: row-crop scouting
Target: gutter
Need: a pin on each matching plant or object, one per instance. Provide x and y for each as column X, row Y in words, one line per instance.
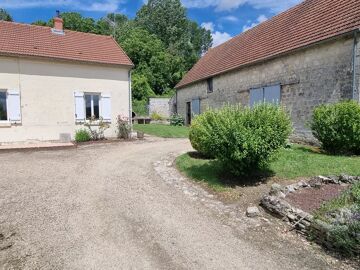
column 355, row 94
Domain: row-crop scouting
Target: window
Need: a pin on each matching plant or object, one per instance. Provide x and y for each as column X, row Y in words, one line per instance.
column 210, row 85
column 3, row 107
column 92, row 106
column 268, row 94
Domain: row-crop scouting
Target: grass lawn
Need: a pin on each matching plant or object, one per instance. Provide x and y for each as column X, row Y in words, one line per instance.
column 293, row 162
column 164, row 131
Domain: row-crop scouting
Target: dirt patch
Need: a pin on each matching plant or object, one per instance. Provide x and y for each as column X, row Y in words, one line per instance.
column 311, row 199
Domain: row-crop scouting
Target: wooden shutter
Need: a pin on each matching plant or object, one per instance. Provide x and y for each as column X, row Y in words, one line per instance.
column 195, row 106
column 272, row 94
column 14, row 106
column 256, row 96
column 106, row 107
column 79, row 107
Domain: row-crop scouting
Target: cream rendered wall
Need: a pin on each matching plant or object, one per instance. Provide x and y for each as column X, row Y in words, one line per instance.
column 47, row 95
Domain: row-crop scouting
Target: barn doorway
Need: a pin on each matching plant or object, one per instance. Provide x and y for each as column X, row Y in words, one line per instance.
column 188, row 113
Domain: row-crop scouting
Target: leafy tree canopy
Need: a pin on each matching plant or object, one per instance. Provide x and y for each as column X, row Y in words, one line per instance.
column 5, row 16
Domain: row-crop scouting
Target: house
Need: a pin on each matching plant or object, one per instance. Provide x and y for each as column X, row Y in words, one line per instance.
column 52, row 80
column 303, row 57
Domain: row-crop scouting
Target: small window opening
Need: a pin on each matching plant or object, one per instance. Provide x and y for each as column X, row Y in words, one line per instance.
column 210, row 85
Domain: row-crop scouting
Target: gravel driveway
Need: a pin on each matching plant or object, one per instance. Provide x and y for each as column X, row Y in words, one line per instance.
column 106, row 207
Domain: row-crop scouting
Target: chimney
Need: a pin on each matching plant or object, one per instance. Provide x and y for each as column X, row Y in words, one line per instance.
column 58, row 22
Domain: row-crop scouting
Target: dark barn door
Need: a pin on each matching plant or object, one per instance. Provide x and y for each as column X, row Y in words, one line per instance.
column 188, row 113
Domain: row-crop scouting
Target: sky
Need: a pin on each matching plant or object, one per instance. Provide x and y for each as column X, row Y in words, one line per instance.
column 224, row 18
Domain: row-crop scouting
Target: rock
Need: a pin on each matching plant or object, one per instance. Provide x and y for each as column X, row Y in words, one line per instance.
column 291, row 217
column 317, row 185
column 347, row 178
column 252, row 211
column 303, row 184
column 290, row 188
column 334, row 179
column 323, row 179
column 275, row 189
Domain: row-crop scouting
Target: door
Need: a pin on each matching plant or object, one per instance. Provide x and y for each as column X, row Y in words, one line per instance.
column 188, row 113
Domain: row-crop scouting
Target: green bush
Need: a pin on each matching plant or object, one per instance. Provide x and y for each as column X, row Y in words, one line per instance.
column 243, row 139
column 82, row 135
column 156, row 117
column 337, row 127
column 177, row 120
column 345, row 238
column 140, row 107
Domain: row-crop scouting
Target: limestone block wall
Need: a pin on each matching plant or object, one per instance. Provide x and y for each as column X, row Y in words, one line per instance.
column 357, row 68
column 315, row 75
column 160, row 106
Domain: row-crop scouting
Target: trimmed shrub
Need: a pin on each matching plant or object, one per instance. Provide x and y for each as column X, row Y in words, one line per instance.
column 82, row 135
column 156, row 116
column 243, row 139
column 337, row 127
column 177, row 120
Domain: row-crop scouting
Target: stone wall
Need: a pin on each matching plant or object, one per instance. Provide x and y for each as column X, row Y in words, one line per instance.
column 357, row 69
column 305, row 223
column 318, row 74
column 160, row 106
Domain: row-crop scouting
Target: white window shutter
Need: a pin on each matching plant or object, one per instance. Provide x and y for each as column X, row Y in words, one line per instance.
column 14, row 106
column 106, row 107
column 79, row 107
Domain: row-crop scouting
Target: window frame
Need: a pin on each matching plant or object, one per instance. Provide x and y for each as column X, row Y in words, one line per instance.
column 7, row 106
column 210, row 85
column 92, row 94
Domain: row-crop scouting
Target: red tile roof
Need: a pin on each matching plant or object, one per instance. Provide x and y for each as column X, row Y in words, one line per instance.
column 39, row 41
column 309, row 22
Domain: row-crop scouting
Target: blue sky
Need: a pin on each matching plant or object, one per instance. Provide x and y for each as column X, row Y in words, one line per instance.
column 225, row 18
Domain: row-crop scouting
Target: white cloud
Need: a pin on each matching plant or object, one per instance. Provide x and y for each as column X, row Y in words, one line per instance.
column 208, row 26
column 230, row 18
column 260, row 19
column 101, row 6
column 218, row 37
column 226, row 5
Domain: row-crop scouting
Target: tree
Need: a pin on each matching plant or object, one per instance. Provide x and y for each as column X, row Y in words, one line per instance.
column 167, row 20
column 5, row 16
column 40, row 23
column 164, row 18
column 140, row 45
column 76, row 22
column 141, row 89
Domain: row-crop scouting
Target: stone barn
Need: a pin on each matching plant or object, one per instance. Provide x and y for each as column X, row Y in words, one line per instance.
column 301, row 58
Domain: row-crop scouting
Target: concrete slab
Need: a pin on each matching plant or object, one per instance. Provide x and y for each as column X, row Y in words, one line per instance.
column 39, row 146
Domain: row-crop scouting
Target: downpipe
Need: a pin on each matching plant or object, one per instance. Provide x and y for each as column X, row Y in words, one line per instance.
column 130, row 102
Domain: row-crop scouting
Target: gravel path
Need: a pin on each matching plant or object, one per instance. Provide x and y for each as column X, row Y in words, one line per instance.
column 107, row 207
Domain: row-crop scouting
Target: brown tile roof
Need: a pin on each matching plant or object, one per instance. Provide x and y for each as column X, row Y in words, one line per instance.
column 309, row 22
column 39, row 41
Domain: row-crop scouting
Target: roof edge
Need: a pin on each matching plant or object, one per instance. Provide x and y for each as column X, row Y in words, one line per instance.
column 66, row 60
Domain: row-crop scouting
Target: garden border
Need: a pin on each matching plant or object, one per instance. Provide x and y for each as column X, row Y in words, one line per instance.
column 300, row 220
